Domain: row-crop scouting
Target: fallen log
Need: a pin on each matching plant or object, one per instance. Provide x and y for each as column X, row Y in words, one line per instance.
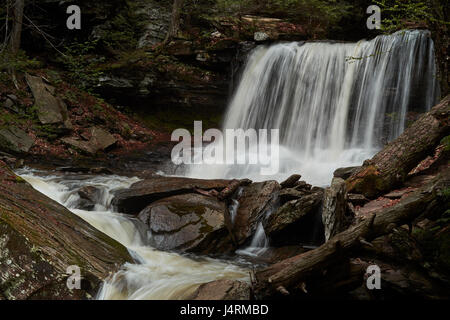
column 390, row 167
column 291, row 274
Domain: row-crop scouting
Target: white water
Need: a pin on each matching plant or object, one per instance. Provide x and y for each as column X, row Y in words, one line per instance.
column 156, row 274
column 335, row 104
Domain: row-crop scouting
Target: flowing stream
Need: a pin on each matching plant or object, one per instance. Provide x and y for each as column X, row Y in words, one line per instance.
column 155, row 274
column 335, row 104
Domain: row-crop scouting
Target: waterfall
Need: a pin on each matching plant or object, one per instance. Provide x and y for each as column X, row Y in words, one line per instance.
column 335, row 104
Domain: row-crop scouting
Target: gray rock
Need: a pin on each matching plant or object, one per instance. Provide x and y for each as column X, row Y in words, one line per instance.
column 15, row 139
column 189, row 222
column 334, row 207
column 50, row 109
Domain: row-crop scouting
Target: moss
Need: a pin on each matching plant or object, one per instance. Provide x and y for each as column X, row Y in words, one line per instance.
column 368, row 182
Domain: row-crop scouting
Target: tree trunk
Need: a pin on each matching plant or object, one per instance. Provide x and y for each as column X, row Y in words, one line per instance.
column 293, row 275
column 390, row 167
column 174, row 26
column 14, row 42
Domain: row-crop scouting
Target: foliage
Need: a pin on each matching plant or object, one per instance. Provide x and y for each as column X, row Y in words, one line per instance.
column 81, row 64
column 399, row 15
column 19, row 62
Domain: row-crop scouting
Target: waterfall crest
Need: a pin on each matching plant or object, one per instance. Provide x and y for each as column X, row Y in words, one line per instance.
column 335, row 104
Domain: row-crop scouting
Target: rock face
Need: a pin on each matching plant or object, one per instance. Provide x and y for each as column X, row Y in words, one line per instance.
column 40, row 239
column 255, row 202
column 297, row 221
column 223, row 290
column 15, row 140
column 51, row 110
column 334, row 208
column 143, row 193
column 188, row 222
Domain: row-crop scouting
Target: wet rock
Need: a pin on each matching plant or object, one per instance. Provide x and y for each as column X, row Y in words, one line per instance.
column 90, row 193
column 188, row 222
column 51, row 110
column 334, row 208
column 40, row 239
column 143, row 193
column 15, row 140
column 296, row 221
column 302, row 185
column 344, row 173
column 223, row 290
column 291, row 181
column 257, row 200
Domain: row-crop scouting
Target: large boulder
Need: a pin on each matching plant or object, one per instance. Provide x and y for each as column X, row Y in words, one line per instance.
column 257, row 200
column 143, row 193
column 50, row 109
column 40, row 240
column 297, row 221
column 189, row 222
column 15, row 140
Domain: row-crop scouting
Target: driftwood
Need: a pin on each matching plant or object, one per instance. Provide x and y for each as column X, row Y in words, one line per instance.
column 390, row 167
column 293, row 274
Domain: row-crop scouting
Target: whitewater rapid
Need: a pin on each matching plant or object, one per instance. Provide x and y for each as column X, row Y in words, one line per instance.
column 155, row 275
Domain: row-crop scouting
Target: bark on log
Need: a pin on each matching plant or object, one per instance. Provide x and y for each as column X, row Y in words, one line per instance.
column 390, row 167
column 296, row 271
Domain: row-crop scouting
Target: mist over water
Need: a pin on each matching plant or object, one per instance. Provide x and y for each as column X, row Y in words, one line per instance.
column 335, row 104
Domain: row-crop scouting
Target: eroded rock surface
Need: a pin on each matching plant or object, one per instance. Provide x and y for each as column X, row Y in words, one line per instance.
column 40, row 239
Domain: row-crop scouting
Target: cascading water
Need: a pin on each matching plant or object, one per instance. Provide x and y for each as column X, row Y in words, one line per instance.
column 335, row 104
column 156, row 274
